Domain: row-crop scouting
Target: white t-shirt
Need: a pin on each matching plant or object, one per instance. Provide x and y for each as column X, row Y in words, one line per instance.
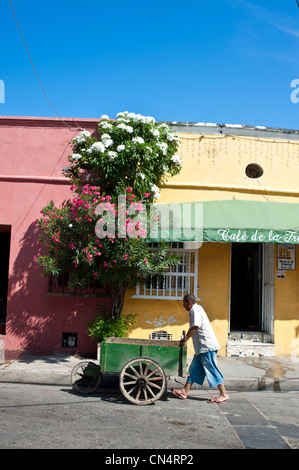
column 204, row 338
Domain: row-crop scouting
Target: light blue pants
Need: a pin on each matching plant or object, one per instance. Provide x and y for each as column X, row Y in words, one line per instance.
column 204, row 366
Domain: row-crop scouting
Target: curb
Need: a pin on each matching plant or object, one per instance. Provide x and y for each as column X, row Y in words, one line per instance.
column 46, row 378
column 111, row 383
column 246, row 384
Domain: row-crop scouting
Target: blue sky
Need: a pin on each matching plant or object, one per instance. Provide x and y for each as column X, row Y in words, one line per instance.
column 221, row 61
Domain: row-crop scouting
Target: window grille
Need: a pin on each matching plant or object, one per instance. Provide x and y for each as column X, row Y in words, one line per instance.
column 59, row 286
column 161, row 335
column 177, row 282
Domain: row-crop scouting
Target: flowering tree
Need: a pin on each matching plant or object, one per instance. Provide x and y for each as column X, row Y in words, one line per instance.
column 101, row 232
column 132, row 151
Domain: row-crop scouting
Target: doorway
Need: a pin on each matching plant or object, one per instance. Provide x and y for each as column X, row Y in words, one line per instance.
column 4, row 269
column 246, row 286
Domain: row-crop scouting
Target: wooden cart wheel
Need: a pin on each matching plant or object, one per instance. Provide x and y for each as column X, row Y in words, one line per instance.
column 86, row 377
column 142, row 381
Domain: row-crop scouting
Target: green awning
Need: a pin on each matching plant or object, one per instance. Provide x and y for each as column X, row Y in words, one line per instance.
column 227, row 221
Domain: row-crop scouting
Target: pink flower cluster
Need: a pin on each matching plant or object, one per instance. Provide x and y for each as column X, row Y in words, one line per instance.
column 81, row 202
column 56, row 237
column 89, row 205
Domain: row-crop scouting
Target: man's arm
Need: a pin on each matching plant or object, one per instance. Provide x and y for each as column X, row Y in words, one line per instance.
column 190, row 333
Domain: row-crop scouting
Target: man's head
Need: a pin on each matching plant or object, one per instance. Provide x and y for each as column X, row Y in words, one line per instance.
column 188, row 301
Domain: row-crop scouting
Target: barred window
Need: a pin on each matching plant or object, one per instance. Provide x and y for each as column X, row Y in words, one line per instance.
column 161, row 335
column 59, row 286
column 177, row 282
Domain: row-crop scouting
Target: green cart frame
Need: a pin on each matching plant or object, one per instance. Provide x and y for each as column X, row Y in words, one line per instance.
column 143, row 367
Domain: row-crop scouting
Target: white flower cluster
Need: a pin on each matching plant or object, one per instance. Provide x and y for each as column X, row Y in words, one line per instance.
column 163, row 147
column 172, row 136
column 138, row 140
column 125, row 122
column 82, row 137
column 132, row 135
column 106, row 139
column 155, row 190
column 135, row 117
column 76, row 156
column 155, row 132
column 97, row 147
column 112, row 155
column 105, row 125
column 176, row 159
column 125, row 128
column 102, row 145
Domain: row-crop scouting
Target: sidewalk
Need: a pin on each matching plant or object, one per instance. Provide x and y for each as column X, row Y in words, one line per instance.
column 240, row 373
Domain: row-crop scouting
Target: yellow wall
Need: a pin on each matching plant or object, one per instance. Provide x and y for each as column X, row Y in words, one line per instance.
column 214, row 275
column 170, row 315
column 214, row 169
column 214, row 165
column 286, row 318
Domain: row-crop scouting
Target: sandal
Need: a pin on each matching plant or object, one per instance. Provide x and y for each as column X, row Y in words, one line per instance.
column 217, row 400
column 178, row 394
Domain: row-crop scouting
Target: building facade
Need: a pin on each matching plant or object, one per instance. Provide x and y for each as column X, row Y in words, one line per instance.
column 34, row 316
column 241, row 184
column 244, row 273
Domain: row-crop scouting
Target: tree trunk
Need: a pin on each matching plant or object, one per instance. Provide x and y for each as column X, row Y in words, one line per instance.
column 117, row 296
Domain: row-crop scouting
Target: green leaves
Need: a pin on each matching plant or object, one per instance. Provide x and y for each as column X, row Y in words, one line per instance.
column 103, row 326
column 100, row 234
column 122, row 150
column 97, row 238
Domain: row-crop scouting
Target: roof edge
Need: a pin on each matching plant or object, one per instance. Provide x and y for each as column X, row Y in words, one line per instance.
column 35, row 121
column 195, row 127
column 236, row 129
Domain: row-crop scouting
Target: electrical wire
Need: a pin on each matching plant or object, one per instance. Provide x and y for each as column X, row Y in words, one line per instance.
column 37, row 76
column 77, row 127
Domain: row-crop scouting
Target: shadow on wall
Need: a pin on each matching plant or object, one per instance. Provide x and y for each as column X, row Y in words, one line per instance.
column 37, row 320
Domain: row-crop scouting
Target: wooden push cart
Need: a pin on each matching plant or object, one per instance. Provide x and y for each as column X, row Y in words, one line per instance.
column 143, row 366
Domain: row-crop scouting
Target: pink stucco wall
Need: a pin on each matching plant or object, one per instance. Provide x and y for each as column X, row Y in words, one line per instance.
column 32, row 153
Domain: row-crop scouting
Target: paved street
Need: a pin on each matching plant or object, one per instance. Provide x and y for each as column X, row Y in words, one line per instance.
column 53, row 417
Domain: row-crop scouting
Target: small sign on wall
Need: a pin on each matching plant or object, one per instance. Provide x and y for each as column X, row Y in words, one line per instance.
column 286, row 257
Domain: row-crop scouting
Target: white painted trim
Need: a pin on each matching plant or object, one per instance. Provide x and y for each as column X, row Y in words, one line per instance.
column 177, row 275
column 230, row 286
column 268, row 288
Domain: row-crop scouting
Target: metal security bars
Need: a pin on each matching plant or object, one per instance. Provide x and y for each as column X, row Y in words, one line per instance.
column 161, row 335
column 177, row 282
column 59, row 286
